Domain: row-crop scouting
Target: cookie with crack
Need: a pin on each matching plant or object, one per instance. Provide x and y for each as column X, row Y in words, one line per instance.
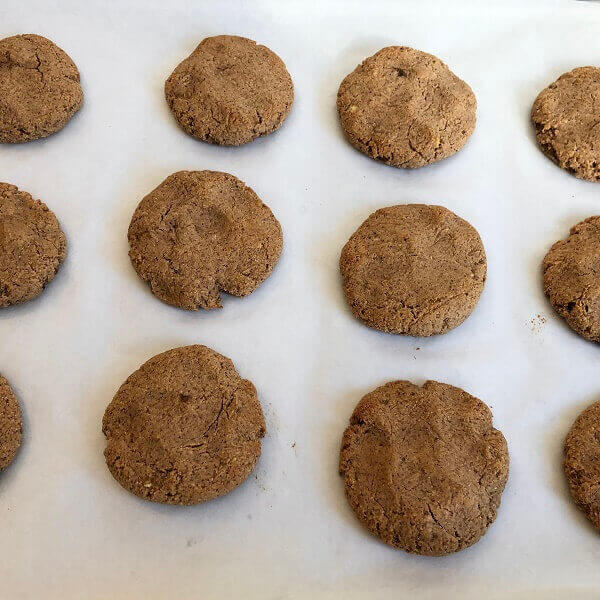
column 572, row 278
column 230, row 91
column 406, row 108
column 202, row 232
column 32, row 246
column 11, row 424
column 39, row 88
column 423, row 466
column 413, row 269
column 582, row 462
column 566, row 117
column 184, row 428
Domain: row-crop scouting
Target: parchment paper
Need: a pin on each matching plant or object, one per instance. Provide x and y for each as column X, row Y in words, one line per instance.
column 69, row 531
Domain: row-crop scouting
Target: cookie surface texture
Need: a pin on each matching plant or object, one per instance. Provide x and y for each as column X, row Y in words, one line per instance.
column 423, row 467
column 184, row 428
column 571, row 278
column 39, row 88
column 566, row 117
column 230, row 91
column 413, row 269
column 32, row 246
column 202, row 232
column 406, row 108
column 11, row 424
column 582, row 462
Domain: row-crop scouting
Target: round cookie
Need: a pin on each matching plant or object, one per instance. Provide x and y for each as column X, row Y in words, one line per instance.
column 32, row 246
column 406, row 108
column 39, row 88
column 413, row 269
column 202, row 232
column 184, row 428
column 230, row 91
column 566, row 117
column 571, row 278
column 11, row 424
column 423, row 467
column 582, row 462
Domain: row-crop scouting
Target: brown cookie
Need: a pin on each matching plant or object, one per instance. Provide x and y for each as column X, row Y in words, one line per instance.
column 566, row 117
column 11, row 424
column 572, row 278
column 406, row 108
column 39, row 88
column 32, row 246
column 423, row 467
column 582, row 462
column 202, row 232
column 229, row 91
column 184, row 428
column 413, row 269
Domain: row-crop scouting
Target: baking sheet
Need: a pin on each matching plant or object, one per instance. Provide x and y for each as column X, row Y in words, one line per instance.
column 69, row 531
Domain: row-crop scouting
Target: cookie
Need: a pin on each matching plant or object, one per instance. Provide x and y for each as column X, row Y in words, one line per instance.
column 11, row 424
column 413, row 269
column 184, row 428
column 582, row 462
column 202, row 232
column 229, row 91
column 406, row 108
column 32, row 246
column 423, row 467
column 566, row 117
column 39, row 88
column 571, row 278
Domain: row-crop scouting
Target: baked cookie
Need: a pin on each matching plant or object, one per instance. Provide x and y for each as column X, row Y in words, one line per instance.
column 39, row 88
column 406, row 108
column 202, row 232
column 11, row 424
column 32, row 246
column 184, row 428
column 423, row 467
column 572, row 278
column 566, row 117
column 413, row 269
column 229, row 91
column 582, row 462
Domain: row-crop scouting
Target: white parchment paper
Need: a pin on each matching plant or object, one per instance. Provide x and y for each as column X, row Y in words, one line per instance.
column 69, row 531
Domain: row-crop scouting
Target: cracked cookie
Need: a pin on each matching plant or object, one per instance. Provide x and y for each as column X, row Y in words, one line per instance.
column 423, row 467
column 230, row 91
column 32, row 246
column 184, row 428
column 11, row 424
column 406, row 108
column 413, row 269
column 566, row 117
column 202, row 232
column 582, row 462
column 39, row 88
column 572, row 278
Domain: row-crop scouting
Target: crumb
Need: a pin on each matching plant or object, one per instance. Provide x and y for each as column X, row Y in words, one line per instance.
column 536, row 323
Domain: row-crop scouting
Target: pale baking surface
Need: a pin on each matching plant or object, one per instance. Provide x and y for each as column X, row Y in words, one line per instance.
column 70, row 531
